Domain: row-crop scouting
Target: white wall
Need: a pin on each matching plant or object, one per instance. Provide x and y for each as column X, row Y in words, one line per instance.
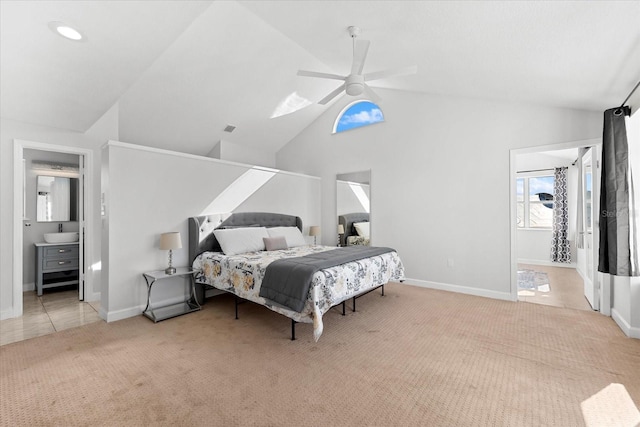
column 440, row 173
column 241, row 154
column 290, row 194
column 534, row 246
column 10, row 130
column 625, row 303
column 149, row 192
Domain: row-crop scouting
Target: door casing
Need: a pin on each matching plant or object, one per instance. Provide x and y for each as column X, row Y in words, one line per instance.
column 605, row 298
column 18, row 178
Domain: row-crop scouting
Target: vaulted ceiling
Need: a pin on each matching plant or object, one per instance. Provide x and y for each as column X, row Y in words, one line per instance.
column 180, row 71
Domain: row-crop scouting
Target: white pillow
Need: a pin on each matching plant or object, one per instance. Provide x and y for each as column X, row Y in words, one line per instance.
column 240, row 240
column 292, row 234
column 362, row 228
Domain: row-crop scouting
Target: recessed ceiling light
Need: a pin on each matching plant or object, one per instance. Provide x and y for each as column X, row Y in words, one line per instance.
column 65, row 31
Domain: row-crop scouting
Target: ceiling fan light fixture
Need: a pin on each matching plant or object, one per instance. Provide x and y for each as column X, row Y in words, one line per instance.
column 65, row 31
column 354, row 84
column 355, row 89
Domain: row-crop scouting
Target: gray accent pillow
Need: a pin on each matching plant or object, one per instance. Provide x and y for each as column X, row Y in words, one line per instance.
column 275, row 243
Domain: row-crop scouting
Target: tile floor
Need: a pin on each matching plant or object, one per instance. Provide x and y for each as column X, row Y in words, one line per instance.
column 566, row 288
column 53, row 311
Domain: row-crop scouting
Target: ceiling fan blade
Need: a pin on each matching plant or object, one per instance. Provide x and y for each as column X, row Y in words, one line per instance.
column 390, row 73
column 332, row 95
column 359, row 55
column 374, row 96
column 319, row 75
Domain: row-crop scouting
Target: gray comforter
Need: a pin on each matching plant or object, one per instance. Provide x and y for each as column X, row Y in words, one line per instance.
column 287, row 281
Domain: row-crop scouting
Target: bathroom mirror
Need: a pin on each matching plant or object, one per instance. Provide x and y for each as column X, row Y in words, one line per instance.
column 57, row 199
column 353, row 202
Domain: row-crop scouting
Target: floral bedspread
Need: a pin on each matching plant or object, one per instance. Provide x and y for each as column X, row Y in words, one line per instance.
column 242, row 275
column 357, row 240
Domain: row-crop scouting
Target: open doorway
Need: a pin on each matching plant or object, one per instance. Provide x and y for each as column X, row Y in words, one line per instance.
column 47, row 200
column 59, row 161
column 554, row 231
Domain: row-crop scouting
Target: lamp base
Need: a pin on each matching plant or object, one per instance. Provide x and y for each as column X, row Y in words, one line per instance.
column 170, row 270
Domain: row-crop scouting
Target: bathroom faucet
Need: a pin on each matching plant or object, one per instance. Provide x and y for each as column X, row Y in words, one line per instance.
column 60, row 228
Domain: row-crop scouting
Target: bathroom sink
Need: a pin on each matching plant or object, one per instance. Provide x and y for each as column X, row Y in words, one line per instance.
column 68, row 237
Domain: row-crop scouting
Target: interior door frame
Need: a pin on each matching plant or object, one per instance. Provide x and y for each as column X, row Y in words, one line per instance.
column 513, row 229
column 590, row 236
column 18, row 180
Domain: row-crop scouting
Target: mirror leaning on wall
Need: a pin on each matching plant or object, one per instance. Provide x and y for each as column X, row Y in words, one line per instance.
column 353, row 202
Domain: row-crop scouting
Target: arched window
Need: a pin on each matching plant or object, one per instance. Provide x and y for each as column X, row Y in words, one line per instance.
column 357, row 114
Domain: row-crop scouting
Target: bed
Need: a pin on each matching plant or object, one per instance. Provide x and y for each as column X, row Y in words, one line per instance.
column 351, row 235
column 242, row 274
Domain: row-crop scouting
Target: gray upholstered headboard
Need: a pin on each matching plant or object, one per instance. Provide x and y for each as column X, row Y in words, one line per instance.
column 347, row 221
column 201, row 228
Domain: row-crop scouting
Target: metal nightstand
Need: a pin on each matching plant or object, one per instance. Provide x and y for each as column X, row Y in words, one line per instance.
column 172, row 310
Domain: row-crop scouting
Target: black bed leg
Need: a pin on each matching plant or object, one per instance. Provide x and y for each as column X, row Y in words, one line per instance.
column 293, row 330
column 343, row 307
column 236, row 307
column 354, row 303
column 382, row 290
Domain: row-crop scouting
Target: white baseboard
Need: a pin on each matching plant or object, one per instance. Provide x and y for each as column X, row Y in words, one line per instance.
column 125, row 313
column 26, row 287
column 460, row 289
column 6, row 314
column 546, row 263
column 628, row 330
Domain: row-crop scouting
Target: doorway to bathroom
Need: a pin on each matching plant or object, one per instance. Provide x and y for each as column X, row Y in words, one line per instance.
column 51, row 192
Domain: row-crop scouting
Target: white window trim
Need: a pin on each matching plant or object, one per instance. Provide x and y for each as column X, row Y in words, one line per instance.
column 526, row 175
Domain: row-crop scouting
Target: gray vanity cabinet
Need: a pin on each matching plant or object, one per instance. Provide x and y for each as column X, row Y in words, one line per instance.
column 56, row 265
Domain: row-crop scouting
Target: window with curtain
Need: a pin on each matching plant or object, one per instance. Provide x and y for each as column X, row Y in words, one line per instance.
column 534, row 200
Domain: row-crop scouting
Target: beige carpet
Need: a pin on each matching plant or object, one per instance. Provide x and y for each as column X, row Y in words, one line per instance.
column 415, row 357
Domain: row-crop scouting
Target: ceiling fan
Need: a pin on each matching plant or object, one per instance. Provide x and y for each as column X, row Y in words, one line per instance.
column 355, row 83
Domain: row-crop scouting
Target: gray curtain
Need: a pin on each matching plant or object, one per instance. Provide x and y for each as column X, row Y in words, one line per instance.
column 618, row 253
column 560, row 245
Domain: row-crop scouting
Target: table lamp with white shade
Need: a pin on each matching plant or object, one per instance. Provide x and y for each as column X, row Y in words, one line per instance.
column 314, row 231
column 170, row 241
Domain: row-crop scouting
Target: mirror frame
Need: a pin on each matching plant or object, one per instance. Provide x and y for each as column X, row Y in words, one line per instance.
column 362, row 177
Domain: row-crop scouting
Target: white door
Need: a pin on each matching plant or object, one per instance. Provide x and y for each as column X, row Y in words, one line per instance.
column 591, row 291
column 81, row 228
